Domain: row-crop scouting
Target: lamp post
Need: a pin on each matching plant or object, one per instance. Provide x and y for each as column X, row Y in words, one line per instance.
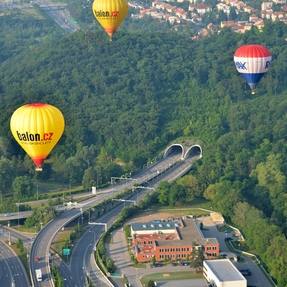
column 18, row 206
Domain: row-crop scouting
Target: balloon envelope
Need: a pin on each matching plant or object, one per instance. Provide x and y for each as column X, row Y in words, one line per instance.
column 252, row 62
column 110, row 14
column 37, row 128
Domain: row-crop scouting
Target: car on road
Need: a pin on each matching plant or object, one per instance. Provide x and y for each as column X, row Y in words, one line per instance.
column 184, row 263
column 37, row 258
column 245, row 272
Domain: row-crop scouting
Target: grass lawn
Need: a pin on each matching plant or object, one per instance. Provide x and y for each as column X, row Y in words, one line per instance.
column 139, row 265
column 171, row 276
column 179, row 211
column 23, row 228
column 61, row 239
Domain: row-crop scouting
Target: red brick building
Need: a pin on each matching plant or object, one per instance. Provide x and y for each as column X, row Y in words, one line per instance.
column 170, row 240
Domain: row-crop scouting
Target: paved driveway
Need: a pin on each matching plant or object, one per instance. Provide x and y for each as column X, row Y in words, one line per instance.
column 257, row 278
column 118, row 251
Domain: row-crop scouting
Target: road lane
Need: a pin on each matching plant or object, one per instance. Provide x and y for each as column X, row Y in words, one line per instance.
column 11, row 268
column 42, row 242
column 83, row 250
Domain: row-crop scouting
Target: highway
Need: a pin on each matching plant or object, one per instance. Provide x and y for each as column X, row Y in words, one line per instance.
column 59, row 13
column 12, row 272
column 81, row 263
column 42, row 242
column 15, row 215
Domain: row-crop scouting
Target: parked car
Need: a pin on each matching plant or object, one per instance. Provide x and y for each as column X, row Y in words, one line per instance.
column 157, row 264
column 245, row 272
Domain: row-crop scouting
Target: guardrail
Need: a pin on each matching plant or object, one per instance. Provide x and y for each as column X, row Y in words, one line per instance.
column 103, row 266
column 145, row 179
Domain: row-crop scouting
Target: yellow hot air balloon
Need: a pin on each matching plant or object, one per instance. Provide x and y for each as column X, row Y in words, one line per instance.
column 110, row 14
column 37, row 128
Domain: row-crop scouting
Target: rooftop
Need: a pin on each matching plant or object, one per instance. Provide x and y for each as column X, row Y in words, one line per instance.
column 154, row 225
column 224, row 270
column 191, row 232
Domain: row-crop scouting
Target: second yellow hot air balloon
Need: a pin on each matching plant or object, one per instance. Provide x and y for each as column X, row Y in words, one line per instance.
column 37, row 128
column 110, row 14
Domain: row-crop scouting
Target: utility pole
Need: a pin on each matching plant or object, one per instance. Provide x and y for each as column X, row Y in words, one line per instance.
column 18, row 206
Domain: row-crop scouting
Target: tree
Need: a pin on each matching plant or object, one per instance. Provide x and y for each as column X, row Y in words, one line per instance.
column 197, row 258
column 22, row 187
column 89, row 178
column 7, row 174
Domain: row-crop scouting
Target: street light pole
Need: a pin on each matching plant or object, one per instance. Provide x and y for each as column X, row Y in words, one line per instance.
column 18, row 214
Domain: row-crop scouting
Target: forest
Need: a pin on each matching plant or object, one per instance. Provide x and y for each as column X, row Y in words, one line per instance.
column 125, row 100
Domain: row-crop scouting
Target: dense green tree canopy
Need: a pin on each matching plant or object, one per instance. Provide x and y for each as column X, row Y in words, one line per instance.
column 125, row 101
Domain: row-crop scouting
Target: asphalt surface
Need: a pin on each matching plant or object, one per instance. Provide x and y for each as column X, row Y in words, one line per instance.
column 81, row 257
column 59, row 13
column 12, row 272
column 15, row 215
column 42, row 242
column 257, row 277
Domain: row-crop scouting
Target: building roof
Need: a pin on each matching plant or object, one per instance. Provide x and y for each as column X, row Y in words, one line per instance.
column 154, row 225
column 224, row 270
column 191, row 232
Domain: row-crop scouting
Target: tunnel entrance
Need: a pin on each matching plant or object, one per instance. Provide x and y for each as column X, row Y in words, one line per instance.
column 173, row 150
column 194, row 150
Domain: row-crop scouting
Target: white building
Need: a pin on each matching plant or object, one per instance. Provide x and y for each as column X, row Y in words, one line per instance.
column 266, row 6
column 222, row 273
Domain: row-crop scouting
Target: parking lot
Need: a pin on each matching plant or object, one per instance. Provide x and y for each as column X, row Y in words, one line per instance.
column 257, row 277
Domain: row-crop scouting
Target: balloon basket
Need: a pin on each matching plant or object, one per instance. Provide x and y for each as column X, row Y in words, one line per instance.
column 38, row 169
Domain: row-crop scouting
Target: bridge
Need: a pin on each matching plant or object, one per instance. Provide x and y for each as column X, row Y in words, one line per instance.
column 178, row 150
column 173, row 165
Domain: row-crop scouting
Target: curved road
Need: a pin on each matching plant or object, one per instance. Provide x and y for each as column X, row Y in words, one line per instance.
column 41, row 245
column 12, row 272
column 82, row 252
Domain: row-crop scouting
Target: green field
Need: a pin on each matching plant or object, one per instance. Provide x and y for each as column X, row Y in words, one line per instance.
column 23, row 228
column 61, row 240
column 171, row 276
column 177, row 211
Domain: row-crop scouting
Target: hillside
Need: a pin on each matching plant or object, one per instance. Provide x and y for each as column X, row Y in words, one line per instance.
column 124, row 101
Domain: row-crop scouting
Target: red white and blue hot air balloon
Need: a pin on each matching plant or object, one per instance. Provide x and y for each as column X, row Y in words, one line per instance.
column 252, row 62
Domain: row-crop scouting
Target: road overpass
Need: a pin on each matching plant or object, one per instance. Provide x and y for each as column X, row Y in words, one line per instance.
column 82, row 262
column 15, row 215
column 41, row 245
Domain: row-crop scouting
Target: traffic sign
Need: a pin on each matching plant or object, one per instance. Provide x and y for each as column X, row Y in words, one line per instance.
column 66, row 251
